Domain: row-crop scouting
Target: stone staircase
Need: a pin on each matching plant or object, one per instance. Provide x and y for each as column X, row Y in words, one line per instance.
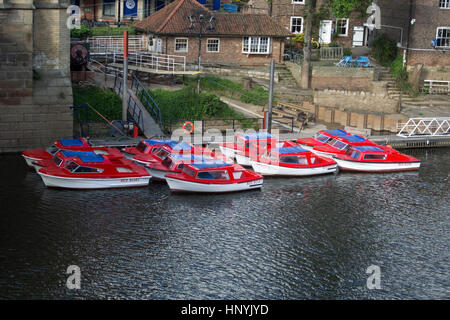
column 385, row 75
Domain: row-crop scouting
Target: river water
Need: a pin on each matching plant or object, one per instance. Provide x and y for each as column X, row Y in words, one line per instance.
column 305, row 238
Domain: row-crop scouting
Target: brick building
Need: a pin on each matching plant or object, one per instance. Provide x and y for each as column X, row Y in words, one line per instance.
column 235, row 39
column 35, row 87
column 430, row 34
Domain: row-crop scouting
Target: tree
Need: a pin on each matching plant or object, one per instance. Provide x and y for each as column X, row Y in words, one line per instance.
column 343, row 8
column 306, row 67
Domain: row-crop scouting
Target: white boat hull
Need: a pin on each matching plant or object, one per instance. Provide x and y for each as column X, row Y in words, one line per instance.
column 228, row 152
column 177, row 185
column 376, row 166
column 274, row 170
column 243, row 160
column 323, row 154
column 157, row 174
column 30, row 160
column 93, row 183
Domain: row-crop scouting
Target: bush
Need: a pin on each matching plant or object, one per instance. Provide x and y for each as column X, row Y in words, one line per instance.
column 111, row 31
column 347, row 51
column 186, row 104
column 82, row 33
column 401, row 75
column 108, row 103
column 384, row 50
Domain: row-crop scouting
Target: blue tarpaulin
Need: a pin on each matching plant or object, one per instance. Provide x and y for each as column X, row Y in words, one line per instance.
column 286, row 150
column 153, row 142
column 354, row 139
column 211, row 164
column 71, row 142
column 368, row 148
column 257, row 136
column 337, row 132
column 85, row 156
column 182, row 146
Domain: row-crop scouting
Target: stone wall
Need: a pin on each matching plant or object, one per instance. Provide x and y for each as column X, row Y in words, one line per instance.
column 352, row 79
column 356, row 101
column 34, row 105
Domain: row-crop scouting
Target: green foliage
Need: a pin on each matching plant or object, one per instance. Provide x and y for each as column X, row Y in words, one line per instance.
column 258, row 96
column 384, row 50
column 401, row 75
column 82, row 33
column 299, row 37
column 347, row 51
column 186, row 104
column 108, row 103
column 111, row 31
column 343, row 8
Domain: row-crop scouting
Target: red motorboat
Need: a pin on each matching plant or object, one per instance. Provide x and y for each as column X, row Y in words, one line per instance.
column 321, row 138
column 339, row 145
column 88, row 170
column 80, row 144
column 292, row 161
column 173, row 163
column 145, row 147
column 213, row 177
column 376, row 159
column 240, row 149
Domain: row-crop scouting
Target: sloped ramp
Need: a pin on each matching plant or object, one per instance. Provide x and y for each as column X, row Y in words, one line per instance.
column 142, row 117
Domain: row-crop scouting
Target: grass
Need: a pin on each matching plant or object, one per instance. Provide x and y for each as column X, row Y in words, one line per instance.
column 186, row 104
column 234, row 89
column 401, row 76
column 111, row 31
column 108, row 103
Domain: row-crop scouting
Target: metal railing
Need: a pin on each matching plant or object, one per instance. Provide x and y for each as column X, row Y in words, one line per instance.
column 425, row 127
column 136, row 112
column 111, row 44
column 146, row 99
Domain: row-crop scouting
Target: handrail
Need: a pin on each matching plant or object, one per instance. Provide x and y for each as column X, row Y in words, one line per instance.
column 146, row 99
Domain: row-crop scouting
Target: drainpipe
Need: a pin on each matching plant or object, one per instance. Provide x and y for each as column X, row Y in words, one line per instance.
column 409, row 28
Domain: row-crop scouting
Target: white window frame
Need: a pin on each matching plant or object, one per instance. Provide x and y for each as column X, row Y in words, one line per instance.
column 301, row 26
column 298, row 2
column 218, row 45
column 346, row 27
column 175, row 45
column 448, row 37
column 269, row 45
column 446, row 4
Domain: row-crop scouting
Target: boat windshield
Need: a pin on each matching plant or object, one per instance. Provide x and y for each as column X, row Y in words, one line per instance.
column 294, row 159
column 141, row 147
column 162, row 153
column 213, row 175
column 321, row 137
column 70, row 166
column 353, row 153
column 56, row 160
column 190, row 172
column 52, row 149
column 167, row 162
column 339, row 144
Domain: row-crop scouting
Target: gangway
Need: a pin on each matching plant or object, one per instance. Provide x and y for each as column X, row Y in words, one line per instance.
column 439, row 126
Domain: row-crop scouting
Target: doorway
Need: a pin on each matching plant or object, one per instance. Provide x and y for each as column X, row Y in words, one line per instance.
column 325, row 31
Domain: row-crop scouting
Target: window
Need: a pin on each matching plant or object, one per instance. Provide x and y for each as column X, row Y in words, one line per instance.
column 298, row 1
column 161, row 153
column 342, row 27
column 296, row 24
column 56, row 160
column 109, row 7
column 212, row 45
column 167, row 162
column 294, row 160
column 339, row 145
column 443, row 37
column 444, row 4
column 374, row 156
column 322, row 138
column 52, row 149
column 82, row 169
column 181, row 45
column 355, row 154
column 213, row 175
column 141, row 147
column 188, row 171
column 256, row 45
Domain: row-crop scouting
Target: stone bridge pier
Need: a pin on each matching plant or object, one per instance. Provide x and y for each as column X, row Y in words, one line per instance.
column 35, row 86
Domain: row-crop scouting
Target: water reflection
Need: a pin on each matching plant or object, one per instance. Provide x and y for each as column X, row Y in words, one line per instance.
column 294, row 239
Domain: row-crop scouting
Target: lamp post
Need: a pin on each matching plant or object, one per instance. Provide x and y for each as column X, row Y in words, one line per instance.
column 200, row 20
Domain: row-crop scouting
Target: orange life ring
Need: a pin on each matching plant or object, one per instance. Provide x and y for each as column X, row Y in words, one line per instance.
column 188, row 123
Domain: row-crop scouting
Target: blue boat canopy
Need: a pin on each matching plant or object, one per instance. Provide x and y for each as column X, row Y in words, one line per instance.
column 71, row 142
column 355, row 139
column 192, row 157
column 211, row 164
column 85, row 156
column 182, row 146
column 153, row 142
column 286, row 150
column 257, row 136
column 337, row 132
column 368, row 148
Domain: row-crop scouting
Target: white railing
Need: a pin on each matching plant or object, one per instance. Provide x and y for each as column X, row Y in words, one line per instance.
column 425, row 127
column 101, row 45
column 331, row 53
column 153, row 61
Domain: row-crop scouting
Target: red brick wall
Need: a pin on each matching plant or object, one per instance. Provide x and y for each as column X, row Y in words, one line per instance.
column 429, row 58
column 230, row 52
